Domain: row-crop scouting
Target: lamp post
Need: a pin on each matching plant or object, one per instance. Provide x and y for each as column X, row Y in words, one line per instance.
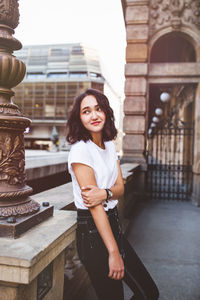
column 14, row 193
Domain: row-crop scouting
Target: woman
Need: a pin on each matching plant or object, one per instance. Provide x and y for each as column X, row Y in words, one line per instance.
column 97, row 184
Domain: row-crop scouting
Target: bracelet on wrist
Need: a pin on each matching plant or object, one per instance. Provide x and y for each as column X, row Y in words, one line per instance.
column 109, row 194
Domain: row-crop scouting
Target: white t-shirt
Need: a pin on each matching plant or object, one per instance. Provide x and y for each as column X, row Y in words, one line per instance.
column 102, row 161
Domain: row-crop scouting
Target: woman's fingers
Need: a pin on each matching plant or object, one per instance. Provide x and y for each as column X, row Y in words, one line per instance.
column 117, row 275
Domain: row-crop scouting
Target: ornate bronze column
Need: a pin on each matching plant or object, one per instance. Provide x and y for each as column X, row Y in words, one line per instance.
column 15, row 202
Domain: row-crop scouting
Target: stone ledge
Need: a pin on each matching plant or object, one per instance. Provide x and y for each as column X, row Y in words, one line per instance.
column 61, row 197
column 23, row 259
column 44, row 163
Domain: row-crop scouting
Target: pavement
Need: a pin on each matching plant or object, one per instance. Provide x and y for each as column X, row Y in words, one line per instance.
column 166, row 236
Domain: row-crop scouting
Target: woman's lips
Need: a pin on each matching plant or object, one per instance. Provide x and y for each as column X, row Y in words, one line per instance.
column 95, row 123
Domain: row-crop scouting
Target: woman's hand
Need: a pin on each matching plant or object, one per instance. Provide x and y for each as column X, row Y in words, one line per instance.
column 116, row 266
column 92, row 195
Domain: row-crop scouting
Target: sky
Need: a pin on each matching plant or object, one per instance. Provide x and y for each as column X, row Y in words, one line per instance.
column 96, row 23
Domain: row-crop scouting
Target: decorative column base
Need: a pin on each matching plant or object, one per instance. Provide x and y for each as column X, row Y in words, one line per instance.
column 13, row 228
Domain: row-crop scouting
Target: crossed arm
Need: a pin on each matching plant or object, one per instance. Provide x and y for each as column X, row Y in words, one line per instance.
column 93, row 197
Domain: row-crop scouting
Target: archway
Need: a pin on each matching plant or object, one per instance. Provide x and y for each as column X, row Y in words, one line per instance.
column 170, row 139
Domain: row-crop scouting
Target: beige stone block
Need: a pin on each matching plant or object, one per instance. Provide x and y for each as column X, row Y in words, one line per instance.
column 135, row 105
column 135, row 86
column 136, row 53
column 136, row 69
column 137, row 14
column 133, row 143
column 174, row 69
column 33, row 251
column 134, row 124
column 8, row 293
column 136, row 32
column 29, row 291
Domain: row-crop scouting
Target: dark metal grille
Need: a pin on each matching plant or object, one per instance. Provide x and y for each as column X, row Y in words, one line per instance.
column 170, row 155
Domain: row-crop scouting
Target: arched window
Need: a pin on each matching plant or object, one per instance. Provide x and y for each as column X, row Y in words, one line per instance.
column 172, row 47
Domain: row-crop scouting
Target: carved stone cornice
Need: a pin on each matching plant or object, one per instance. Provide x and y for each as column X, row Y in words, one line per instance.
column 175, row 13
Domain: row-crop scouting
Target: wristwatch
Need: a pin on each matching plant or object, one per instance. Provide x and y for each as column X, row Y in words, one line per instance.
column 109, row 194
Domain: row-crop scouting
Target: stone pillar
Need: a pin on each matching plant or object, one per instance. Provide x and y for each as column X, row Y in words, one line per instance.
column 136, row 19
column 196, row 164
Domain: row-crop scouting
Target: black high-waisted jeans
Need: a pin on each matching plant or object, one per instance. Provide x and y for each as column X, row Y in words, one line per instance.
column 94, row 256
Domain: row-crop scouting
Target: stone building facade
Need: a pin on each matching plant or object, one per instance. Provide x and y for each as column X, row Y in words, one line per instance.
column 162, row 55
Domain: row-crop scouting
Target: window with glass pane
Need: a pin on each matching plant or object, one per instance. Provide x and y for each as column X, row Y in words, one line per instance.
column 72, row 91
column 39, row 101
column 97, row 86
column 49, row 100
column 83, row 86
column 61, row 101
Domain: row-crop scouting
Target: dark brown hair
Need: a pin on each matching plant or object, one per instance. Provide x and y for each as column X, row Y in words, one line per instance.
column 75, row 129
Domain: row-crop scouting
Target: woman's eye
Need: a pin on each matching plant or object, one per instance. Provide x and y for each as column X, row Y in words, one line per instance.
column 98, row 109
column 86, row 111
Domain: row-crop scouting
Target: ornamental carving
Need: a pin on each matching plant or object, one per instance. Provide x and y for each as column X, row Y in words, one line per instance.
column 14, row 125
column 9, row 109
column 12, row 160
column 20, row 209
column 174, row 13
column 9, row 13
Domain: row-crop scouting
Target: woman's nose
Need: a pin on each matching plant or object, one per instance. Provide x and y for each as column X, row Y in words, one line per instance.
column 94, row 114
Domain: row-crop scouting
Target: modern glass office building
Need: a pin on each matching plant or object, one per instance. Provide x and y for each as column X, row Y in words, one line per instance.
column 55, row 75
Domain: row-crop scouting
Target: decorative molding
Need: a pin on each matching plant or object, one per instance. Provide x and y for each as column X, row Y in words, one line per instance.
column 137, row 2
column 15, row 125
column 20, row 209
column 20, row 193
column 174, row 13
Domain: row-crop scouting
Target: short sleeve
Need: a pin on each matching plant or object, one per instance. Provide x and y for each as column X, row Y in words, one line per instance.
column 79, row 154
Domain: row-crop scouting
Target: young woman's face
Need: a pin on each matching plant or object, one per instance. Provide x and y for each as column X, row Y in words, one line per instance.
column 92, row 116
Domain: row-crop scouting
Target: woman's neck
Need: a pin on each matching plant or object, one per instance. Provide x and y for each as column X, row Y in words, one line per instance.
column 97, row 139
